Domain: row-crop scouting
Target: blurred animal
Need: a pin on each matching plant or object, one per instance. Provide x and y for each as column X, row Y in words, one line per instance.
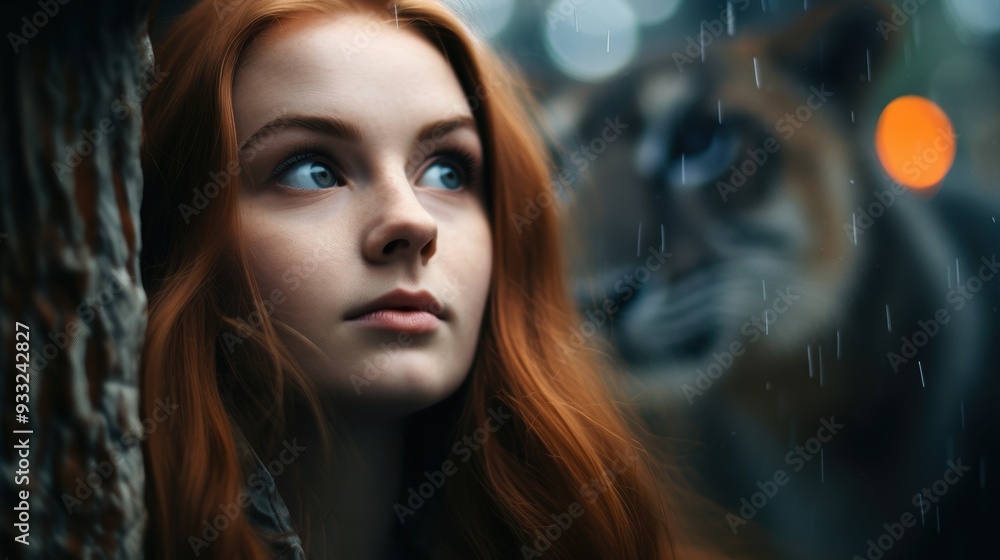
column 828, row 336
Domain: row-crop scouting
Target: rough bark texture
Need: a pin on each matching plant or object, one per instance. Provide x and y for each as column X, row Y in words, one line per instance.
column 72, row 77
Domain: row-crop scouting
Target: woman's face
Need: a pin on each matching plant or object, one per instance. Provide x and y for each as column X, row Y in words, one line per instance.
column 363, row 207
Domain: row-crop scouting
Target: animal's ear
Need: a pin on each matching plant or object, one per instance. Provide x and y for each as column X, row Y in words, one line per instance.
column 842, row 44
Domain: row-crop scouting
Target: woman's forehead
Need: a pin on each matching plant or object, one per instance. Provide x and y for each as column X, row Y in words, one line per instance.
column 350, row 66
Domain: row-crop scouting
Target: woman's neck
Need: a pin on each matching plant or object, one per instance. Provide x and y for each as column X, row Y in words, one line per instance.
column 348, row 503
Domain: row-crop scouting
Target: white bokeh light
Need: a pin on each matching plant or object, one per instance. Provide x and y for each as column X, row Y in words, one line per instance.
column 980, row 17
column 590, row 40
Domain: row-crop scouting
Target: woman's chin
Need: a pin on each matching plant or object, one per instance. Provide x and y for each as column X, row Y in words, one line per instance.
column 398, row 392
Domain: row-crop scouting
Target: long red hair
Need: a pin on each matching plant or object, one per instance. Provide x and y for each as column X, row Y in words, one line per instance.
column 567, row 429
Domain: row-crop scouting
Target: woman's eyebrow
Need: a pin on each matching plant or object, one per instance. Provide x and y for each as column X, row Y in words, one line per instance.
column 437, row 129
column 332, row 126
column 349, row 130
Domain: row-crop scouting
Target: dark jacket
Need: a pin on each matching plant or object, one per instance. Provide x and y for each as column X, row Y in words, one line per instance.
column 267, row 513
column 269, row 516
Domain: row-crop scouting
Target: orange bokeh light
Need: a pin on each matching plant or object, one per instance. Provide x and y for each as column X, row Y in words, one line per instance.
column 915, row 142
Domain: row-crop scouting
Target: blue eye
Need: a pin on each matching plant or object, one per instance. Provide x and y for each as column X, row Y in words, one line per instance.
column 442, row 175
column 306, row 173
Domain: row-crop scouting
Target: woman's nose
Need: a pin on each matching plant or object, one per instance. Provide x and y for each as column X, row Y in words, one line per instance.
column 401, row 228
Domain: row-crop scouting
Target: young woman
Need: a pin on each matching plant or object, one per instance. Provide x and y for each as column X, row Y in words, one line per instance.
column 348, row 314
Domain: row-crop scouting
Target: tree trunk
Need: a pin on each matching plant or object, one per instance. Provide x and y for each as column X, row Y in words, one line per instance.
column 72, row 77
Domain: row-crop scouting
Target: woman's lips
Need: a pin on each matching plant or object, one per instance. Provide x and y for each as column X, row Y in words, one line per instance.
column 399, row 320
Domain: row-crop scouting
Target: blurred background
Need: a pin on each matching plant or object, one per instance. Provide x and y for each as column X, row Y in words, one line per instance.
column 782, row 217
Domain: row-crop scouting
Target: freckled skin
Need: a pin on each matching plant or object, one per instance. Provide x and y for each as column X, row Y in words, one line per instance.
column 386, row 227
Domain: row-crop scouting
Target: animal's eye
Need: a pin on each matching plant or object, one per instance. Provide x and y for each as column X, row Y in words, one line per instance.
column 696, row 134
column 701, row 151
